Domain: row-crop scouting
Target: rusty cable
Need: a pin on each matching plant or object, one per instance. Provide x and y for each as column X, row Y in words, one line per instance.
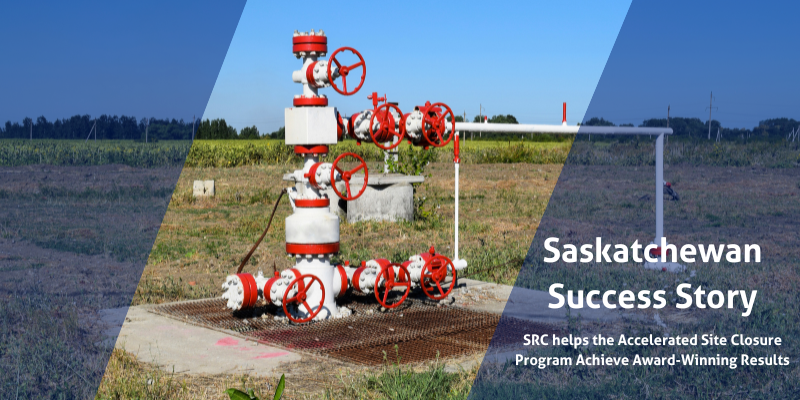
column 250, row 254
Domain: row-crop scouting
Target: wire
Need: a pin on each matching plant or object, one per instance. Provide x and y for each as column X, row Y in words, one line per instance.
column 250, row 254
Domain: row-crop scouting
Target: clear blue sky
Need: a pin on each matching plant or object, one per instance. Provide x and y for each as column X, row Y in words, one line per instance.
column 140, row 58
column 676, row 52
column 163, row 59
column 521, row 58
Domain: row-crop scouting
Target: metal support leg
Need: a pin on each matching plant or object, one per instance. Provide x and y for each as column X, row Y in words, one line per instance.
column 659, row 188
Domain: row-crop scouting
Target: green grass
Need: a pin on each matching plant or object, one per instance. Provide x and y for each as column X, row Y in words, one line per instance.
column 396, row 382
column 678, row 151
column 235, row 153
column 15, row 152
column 45, row 351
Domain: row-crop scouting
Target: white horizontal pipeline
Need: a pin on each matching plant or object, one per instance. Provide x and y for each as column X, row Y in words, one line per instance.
column 565, row 129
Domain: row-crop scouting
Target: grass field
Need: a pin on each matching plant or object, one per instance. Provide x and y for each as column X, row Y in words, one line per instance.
column 235, row 153
column 203, row 240
column 15, row 152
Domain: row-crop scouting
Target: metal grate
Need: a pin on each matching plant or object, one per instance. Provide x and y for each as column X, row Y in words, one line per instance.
column 416, row 331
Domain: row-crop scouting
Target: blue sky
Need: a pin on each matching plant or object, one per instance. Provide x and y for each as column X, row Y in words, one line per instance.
column 520, row 58
column 162, row 59
column 676, row 52
column 139, row 58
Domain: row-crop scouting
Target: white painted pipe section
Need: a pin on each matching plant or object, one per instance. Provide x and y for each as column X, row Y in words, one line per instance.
column 659, row 188
column 563, row 129
column 456, row 254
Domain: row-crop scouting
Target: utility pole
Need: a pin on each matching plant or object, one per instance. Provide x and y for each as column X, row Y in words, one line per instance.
column 95, row 129
column 710, row 101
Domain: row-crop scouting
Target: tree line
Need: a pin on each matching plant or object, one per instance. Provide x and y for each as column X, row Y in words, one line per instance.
column 123, row 128
column 107, row 128
column 154, row 129
column 768, row 129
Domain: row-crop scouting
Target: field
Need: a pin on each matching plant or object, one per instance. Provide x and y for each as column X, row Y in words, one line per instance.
column 203, row 240
column 83, row 153
column 235, row 153
column 504, row 195
column 73, row 240
column 754, row 205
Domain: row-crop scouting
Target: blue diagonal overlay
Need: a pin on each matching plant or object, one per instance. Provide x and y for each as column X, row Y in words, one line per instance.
column 718, row 75
column 78, row 217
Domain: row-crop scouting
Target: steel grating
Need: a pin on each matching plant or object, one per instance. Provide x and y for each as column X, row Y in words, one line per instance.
column 417, row 331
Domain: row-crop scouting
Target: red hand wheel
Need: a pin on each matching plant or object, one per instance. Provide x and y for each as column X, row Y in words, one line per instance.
column 347, row 175
column 434, row 277
column 436, row 135
column 387, row 130
column 403, row 279
column 303, row 282
column 345, row 70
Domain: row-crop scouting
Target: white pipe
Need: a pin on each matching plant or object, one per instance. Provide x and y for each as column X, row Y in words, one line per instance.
column 563, row 129
column 659, row 188
column 456, row 255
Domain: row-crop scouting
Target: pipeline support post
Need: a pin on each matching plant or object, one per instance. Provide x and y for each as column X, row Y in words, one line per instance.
column 659, row 188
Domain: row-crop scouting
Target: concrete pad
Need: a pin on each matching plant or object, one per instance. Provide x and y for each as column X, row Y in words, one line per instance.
column 186, row 348
column 524, row 303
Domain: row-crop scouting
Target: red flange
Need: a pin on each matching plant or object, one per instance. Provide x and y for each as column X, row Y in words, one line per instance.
column 387, row 131
column 320, row 149
column 310, row 101
column 310, row 74
column 347, row 175
column 345, row 70
column 304, row 283
column 268, row 287
column 434, row 274
column 324, row 248
column 343, row 277
column 312, row 175
column 435, row 136
column 312, row 203
column 310, row 43
column 403, row 279
column 357, row 276
column 249, row 290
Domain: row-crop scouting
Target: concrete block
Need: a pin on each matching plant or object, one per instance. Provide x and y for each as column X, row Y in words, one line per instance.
column 203, row 189
column 388, row 197
column 383, row 203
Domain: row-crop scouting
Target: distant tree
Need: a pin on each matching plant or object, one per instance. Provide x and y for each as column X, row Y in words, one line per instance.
column 594, row 121
column 279, row 134
column 497, row 119
column 215, row 129
column 250, row 132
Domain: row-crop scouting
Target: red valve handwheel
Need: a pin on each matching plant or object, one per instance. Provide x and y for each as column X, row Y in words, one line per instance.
column 434, row 274
column 301, row 296
column 347, row 175
column 345, row 70
column 387, row 131
column 435, row 136
column 390, row 282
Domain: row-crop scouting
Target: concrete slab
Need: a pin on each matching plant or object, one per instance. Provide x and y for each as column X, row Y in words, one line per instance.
column 524, row 303
column 185, row 348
